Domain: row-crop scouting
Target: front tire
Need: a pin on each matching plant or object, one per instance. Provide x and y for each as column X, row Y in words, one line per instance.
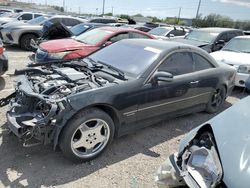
column 87, row 135
column 217, row 100
column 25, row 42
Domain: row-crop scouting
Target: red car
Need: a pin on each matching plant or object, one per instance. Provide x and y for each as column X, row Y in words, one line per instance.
column 84, row 44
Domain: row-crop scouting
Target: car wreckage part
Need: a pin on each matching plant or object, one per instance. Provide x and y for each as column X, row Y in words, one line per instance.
column 36, row 108
column 198, row 165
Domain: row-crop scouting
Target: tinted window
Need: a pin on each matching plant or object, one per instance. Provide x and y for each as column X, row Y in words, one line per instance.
column 179, row 63
column 26, row 17
column 70, row 21
column 37, row 15
column 200, row 63
column 177, row 33
column 231, row 35
column 138, row 35
column 224, row 37
column 119, row 37
column 55, row 20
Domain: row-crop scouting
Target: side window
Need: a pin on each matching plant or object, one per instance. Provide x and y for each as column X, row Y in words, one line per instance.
column 138, row 35
column 178, row 63
column 119, row 37
column 176, row 33
column 200, row 63
column 37, row 15
column 224, row 37
column 26, row 17
column 55, row 20
column 70, row 22
column 231, row 35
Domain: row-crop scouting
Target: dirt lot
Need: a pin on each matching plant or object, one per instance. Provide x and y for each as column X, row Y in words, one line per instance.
column 131, row 161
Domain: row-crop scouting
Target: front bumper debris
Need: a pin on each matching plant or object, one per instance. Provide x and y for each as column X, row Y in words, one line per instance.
column 168, row 175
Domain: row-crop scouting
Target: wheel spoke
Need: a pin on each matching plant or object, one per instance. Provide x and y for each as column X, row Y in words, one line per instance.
column 78, row 144
column 99, row 125
column 84, row 128
column 100, row 138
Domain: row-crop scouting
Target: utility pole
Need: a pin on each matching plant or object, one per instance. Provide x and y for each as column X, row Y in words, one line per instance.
column 96, row 11
column 103, row 7
column 179, row 15
column 198, row 9
column 63, row 5
column 112, row 11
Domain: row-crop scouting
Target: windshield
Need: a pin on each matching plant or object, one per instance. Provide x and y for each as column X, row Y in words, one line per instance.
column 78, row 29
column 7, row 14
column 159, row 31
column 38, row 20
column 238, row 45
column 94, row 36
column 201, row 36
column 129, row 58
column 14, row 15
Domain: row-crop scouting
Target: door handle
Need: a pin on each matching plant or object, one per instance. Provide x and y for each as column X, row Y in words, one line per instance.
column 195, row 82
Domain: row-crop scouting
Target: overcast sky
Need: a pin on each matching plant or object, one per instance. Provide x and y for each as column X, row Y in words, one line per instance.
column 236, row 9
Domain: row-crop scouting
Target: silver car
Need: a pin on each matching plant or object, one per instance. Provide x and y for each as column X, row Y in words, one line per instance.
column 22, row 34
column 22, row 16
column 216, row 154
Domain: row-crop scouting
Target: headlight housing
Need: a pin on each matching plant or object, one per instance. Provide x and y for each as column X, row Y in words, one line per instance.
column 244, row 69
column 58, row 55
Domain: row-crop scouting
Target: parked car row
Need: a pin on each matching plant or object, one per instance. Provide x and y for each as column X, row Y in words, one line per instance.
column 93, row 82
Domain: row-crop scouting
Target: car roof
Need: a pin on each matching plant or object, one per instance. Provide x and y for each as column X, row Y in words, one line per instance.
column 217, row 29
column 162, row 45
column 119, row 29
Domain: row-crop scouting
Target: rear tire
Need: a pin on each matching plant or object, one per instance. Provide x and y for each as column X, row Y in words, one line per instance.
column 25, row 42
column 216, row 100
column 87, row 135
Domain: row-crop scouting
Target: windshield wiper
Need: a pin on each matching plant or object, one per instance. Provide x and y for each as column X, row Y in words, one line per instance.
column 121, row 73
column 99, row 65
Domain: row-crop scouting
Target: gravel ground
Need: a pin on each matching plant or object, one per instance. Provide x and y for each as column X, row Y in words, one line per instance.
column 131, row 161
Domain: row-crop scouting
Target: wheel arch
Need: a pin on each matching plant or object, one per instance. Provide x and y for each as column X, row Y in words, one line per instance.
column 110, row 110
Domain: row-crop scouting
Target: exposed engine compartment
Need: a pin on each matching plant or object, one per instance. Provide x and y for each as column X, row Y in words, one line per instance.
column 60, row 82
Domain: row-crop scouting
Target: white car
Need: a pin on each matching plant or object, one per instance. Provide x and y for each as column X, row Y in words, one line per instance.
column 236, row 53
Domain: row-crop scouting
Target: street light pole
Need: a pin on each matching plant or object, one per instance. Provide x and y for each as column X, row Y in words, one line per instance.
column 198, row 9
column 103, row 6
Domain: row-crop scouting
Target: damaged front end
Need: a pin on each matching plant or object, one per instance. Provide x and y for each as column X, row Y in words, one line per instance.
column 197, row 165
column 40, row 107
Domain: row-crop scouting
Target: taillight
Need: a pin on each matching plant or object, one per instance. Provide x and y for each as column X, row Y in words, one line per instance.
column 2, row 49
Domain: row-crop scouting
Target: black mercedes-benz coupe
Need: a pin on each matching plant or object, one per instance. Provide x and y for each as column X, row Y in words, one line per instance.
column 82, row 105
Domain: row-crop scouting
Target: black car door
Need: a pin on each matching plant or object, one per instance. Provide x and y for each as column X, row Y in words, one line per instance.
column 167, row 97
column 208, row 77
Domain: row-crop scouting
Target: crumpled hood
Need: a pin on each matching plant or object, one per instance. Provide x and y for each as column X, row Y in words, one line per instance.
column 191, row 42
column 231, row 130
column 232, row 58
column 62, row 45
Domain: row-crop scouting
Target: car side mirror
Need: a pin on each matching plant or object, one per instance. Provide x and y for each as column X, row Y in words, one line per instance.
column 162, row 76
column 171, row 35
column 220, row 42
column 20, row 18
column 107, row 43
